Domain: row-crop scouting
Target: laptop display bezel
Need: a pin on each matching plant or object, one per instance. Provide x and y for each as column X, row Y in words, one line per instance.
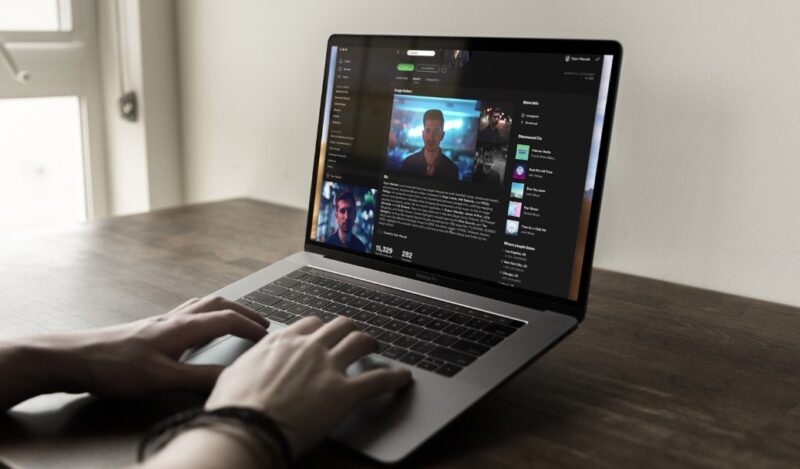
column 526, row 298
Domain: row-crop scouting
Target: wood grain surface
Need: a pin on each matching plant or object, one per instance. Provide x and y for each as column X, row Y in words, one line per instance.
column 659, row 375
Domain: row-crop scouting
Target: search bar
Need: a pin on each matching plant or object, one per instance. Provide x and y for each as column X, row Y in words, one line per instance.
column 421, row 53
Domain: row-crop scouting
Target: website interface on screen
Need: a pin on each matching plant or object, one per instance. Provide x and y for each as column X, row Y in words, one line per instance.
column 480, row 163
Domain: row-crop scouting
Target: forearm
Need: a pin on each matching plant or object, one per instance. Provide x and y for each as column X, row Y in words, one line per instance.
column 220, row 445
column 30, row 368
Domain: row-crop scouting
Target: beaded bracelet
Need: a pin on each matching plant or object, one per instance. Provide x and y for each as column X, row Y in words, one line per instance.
column 164, row 431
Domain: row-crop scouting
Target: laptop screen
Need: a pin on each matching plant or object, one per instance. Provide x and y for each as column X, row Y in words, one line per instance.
column 462, row 159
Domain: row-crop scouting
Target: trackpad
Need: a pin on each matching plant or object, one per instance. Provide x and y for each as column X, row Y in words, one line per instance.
column 223, row 352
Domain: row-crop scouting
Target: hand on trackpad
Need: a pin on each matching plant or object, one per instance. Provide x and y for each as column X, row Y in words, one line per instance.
column 367, row 363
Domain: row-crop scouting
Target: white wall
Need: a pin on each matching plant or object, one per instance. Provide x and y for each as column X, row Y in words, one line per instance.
column 702, row 186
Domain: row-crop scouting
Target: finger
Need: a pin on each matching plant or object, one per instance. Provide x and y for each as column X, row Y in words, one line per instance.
column 201, row 328
column 216, row 303
column 376, row 382
column 198, row 378
column 354, row 346
column 304, row 326
column 330, row 334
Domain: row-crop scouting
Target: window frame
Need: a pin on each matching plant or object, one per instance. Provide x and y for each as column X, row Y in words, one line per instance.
column 67, row 63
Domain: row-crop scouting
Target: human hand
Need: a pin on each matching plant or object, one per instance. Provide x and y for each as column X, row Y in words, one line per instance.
column 141, row 357
column 297, row 377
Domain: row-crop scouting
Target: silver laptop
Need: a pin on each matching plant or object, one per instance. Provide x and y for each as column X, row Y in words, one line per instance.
column 453, row 211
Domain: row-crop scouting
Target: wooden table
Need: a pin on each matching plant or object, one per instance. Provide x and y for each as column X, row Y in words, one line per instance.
column 659, row 374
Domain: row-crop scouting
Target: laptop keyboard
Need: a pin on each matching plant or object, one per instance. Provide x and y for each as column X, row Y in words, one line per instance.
column 432, row 335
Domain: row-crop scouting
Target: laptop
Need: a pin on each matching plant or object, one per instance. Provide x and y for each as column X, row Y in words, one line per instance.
column 453, row 211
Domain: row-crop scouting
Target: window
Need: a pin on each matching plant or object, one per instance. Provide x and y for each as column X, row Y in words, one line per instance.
column 51, row 159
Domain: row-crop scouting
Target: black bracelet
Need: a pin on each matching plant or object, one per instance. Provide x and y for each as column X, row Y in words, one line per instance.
column 167, row 429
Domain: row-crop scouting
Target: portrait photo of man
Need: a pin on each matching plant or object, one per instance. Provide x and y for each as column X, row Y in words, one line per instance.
column 345, row 204
column 495, row 124
column 430, row 160
column 490, row 164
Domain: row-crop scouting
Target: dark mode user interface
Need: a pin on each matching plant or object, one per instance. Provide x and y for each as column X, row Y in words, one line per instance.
column 480, row 163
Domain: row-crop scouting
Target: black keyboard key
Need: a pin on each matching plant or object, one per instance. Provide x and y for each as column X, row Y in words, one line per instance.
column 389, row 311
column 296, row 275
column 266, row 312
column 423, row 347
column 389, row 337
column 285, row 282
column 476, row 323
column 411, row 330
column 441, row 314
column 490, row 340
column 373, row 330
column 305, row 298
column 373, row 307
column 302, row 287
column 405, row 342
column 455, row 329
column 427, row 334
column 410, row 305
column 294, row 320
column 394, row 300
column 411, row 358
column 364, row 293
column 445, row 339
column 357, row 302
column 420, row 320
column 363, row 316
column 263, row 298
column 350, row 289
column 379, row 296
column 426, row 309
column 382, row 346
column 348, row 312
column 507, row 321
column 378, row 320
column 330, row 294
column 341, row 298
column 459, row 318
column 316, row 290
column 292, row 295
column 333, row 307
column 426, row 365
column 437, row 324
column 394, row 352
column 323, row 282
column 298, row 309
column 244, row 301
column 284, row 304
column 335, row 285
column 458, row 358
column 470, row 347
column 281, row 316
column 395, row 325
column 273, row 290
column 499, row 329
column 448, row 370
column 403, row 315
column 361, row 325
column 472, row 334
column 318, row 303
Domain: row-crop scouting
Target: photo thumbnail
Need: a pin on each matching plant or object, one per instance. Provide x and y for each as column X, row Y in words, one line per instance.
column 520, row 171
column 434, row 137
column 517, row 190
column 495, row 124
column 347, row 216
column 490, row 164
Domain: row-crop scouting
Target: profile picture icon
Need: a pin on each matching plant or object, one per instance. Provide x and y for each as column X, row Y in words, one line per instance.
column 512, row 227
column 519, row 171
